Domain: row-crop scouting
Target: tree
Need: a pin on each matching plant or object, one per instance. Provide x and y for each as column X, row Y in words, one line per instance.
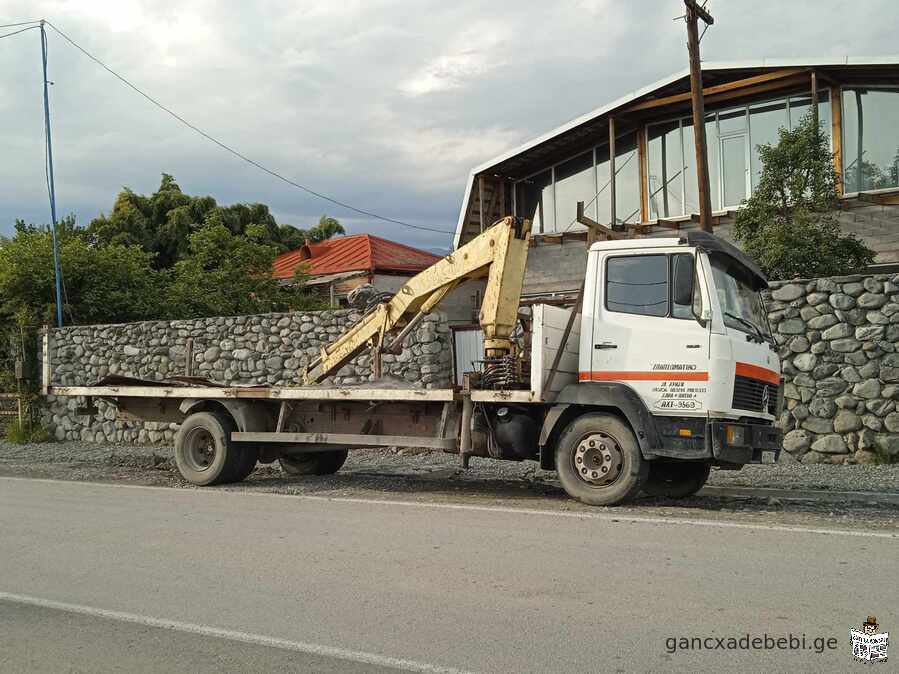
column 788, row 226
column 113, row 283
column 166, row 255
column 163, row 223
column 292, row 238
column 226, row 274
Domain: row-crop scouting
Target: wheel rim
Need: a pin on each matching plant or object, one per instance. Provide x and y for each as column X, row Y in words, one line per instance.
column 598, row 459
column 201, row 450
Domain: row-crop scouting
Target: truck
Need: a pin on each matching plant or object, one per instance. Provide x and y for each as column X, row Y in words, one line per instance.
column 664, row 368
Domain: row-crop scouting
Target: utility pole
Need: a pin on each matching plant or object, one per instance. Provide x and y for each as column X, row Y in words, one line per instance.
column 694, row 13
column 50, row 183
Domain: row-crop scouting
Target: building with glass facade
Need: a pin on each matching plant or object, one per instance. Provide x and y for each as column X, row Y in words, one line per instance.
column 648, row 137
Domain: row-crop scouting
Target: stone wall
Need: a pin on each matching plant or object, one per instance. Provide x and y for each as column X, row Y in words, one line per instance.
column 266, row 349
column 838, row 339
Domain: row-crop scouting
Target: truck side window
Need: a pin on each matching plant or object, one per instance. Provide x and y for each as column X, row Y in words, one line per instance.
column 682, row 277
column 638, row 284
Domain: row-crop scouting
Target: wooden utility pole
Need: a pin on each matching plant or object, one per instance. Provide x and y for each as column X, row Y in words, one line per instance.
column 694, row 13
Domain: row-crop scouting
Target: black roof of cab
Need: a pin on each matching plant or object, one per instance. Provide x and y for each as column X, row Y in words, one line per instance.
column 712, row 244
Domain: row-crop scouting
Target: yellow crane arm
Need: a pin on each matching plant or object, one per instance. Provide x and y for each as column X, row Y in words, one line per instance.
column 499, row 253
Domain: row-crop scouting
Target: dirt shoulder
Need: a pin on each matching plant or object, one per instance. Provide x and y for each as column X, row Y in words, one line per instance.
column 858, row 497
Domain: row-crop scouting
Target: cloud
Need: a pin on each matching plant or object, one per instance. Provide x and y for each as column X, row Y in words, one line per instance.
column 385, row 104
column 476, row 52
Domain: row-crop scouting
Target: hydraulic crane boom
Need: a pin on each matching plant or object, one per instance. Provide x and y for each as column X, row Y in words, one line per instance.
column 499, row 253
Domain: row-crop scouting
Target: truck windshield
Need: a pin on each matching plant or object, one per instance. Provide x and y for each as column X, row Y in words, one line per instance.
column 741, row 304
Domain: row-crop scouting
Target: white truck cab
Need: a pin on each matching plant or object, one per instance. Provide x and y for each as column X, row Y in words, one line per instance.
column 674, row 341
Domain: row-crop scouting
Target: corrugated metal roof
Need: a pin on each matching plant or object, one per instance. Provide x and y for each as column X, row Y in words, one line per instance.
column 359, row 252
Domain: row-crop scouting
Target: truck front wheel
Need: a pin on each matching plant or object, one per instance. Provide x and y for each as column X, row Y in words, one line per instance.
column 313, row 463
column 674, row 479
column 204, row 452
column 599, row 461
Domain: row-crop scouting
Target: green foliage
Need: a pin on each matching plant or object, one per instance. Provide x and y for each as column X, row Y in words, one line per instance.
column 166, row 255
column 111, row 283
column 27, row 433
column 788, row 226
column 163, row 223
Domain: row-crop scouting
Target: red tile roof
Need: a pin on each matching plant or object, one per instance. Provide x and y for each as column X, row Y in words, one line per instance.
column 359, row 252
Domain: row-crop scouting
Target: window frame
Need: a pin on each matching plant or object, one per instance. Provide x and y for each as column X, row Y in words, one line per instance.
column 669, row 279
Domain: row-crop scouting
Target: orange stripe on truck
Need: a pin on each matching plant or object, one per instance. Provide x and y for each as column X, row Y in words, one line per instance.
column 756, row 372
column 651, row 375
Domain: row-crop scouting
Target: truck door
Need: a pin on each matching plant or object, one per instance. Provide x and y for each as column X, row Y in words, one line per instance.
column 645, row 333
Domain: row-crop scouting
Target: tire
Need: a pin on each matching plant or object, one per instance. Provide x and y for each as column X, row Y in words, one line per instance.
column 249, row 457
column 314, row 463
column 675, row 479
column 591, row 443
column 204, row 452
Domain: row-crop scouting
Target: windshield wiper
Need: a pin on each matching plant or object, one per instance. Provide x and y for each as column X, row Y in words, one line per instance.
column 748, row 323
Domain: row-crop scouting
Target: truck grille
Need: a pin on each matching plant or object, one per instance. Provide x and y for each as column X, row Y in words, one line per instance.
column 750, row 395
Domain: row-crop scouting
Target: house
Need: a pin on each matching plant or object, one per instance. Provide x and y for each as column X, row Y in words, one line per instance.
column 648, row 136
column 343, row 263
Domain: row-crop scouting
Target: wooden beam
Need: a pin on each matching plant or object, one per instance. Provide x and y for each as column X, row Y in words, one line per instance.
column 700, row 11
column 836, row 121
column 815, row 99
column 717, row 89
column 481, row 202
column 881, row 198
column 800, row 80
column 644, row 173
column 595, row 228
column 697, row 104
column 612, row 218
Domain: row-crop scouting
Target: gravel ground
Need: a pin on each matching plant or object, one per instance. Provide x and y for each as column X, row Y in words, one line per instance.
column 427, row 477
column 86, row 457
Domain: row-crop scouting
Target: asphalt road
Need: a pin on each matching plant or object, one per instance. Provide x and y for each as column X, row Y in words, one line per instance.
column 121, row 578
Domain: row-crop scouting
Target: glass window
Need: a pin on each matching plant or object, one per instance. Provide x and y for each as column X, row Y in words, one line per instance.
column 732, row 121
column 534, row 200
column 870, row 138
column 627, row 179
column 733, row 174
column 575, row 182
column 765, row 121
column 604, row 186
column 665, row 172
column 691, row 184
column 711, row 139
column 637, row 284
column 801, row 105
column 740, row 302
column 684, row 291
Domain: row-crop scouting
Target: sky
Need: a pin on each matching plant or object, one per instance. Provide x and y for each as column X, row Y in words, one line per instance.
column 383, row 104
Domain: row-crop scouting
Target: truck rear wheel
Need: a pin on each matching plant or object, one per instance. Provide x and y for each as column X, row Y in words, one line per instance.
column 204, row 452
column 314, row 463
column 249, row 457
column 599, row 461
column 675, row 479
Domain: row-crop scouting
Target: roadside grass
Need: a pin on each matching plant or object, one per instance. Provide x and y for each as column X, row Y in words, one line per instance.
column 23, row 434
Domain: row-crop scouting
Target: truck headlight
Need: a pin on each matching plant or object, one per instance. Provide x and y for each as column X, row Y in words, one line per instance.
column 736, row 435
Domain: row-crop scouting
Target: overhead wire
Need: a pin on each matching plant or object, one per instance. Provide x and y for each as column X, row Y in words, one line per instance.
column 20, row 23
column 16, row 32
column 236, row 153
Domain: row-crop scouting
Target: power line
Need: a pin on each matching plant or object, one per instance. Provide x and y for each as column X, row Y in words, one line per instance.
column 16, row 32
column 236, row 153
column 20, row 23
